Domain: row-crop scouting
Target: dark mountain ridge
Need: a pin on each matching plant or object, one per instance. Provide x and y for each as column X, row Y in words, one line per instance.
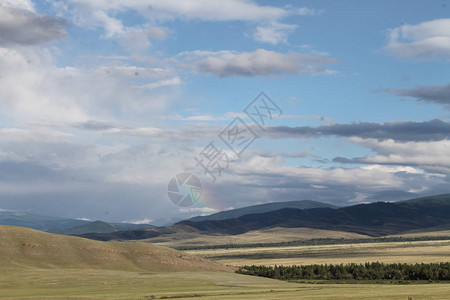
column 375, row 219
column 262, row 208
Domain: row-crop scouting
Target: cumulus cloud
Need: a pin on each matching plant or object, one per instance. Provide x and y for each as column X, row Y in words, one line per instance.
column 59, row 175
column 259, row 63
column 439, row 94
column 281, row 181
column 427, row 40
column 51, row 94
column 431, row 156
column 21, row 25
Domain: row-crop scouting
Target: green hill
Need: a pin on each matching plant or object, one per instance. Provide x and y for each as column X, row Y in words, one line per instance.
column 25, row 248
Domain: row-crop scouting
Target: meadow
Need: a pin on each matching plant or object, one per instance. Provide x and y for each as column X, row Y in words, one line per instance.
column 392, row 252
column 107, row 284
column 37, row 265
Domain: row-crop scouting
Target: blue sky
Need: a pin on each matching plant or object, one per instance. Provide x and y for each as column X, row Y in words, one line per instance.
column 103, row 102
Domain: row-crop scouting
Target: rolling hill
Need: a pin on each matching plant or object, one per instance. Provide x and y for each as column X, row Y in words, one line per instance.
column 24, row 248
column 262, row 208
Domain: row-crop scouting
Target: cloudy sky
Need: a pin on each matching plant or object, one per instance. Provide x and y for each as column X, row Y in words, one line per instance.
column 103, row 102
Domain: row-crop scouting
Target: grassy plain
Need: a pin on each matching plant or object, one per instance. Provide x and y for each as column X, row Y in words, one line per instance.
column 38, row 266
column 190, row 237
column 394, row 252
column 72, row 284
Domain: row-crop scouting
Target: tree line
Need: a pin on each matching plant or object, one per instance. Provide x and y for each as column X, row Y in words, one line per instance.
column 366, row 271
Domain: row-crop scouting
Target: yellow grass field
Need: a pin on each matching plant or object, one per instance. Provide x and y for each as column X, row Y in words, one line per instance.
column 271, row 235
column 392, row 252
column 37, row 266
column 57, row 284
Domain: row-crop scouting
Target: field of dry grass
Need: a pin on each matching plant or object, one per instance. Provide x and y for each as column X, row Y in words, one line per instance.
column 271, row 235
column 58, row 284
column 393, row 252
column 38, row 265
column 28, row 248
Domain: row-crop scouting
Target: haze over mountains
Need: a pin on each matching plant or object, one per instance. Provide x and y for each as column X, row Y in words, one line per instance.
column 63, row 225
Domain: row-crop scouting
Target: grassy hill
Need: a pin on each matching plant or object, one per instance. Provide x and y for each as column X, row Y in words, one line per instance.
column 25, row 248
column 262, row 208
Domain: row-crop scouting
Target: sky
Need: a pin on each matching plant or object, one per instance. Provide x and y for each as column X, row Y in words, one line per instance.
column 103, row 102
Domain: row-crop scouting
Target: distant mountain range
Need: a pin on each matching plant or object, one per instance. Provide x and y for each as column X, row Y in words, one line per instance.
column 375, row 219
column 43, row 223
column 262, row 208
column 99, row 227
column 64, row 225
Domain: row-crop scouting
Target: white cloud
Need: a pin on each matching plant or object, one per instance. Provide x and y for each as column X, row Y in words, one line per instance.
column 305, row 11
column 18, row 4
column 427, row 40
column 42, row 92
column 139, row 222
column 39, row 134
column 223, row 10
column 259, row 63
column 102, row 13
column 21, row 25
column 162, row 83
column 431, row 155
column 48, row 94
column 274, row 33
column 138, row 38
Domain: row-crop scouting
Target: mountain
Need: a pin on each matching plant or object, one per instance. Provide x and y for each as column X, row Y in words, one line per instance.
column 24, row 248
column 22, row 219
column 429, row 200
column 124, row 235
column 64, row 225
column 99, row 227
column 262, row 208
column 375, row 219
